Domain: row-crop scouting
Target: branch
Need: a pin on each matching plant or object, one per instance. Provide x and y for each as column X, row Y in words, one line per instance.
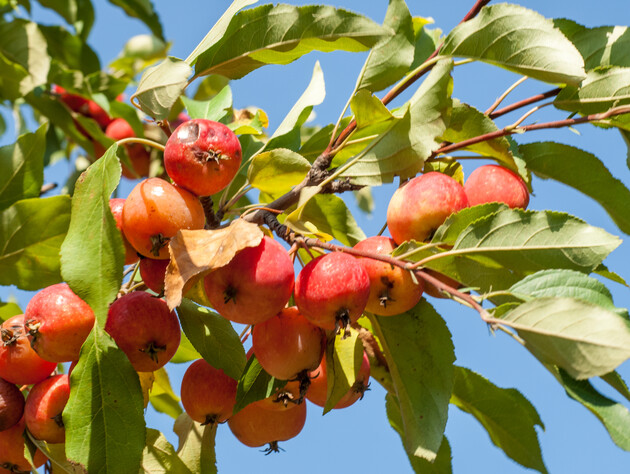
column 212, row 220
column 341, row 186
column 47, row 187
column 524, row 103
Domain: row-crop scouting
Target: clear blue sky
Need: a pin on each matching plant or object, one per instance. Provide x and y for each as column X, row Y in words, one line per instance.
column 359, row 439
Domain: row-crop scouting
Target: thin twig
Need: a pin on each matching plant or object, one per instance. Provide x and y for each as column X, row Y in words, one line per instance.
column 502, row 97
column 524, row 103
column 47, row 187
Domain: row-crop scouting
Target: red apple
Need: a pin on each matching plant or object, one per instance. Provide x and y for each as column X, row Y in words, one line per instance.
column 58, row 322
column 44, row 406
column 116, row 206
column 140, row 158
column 202, row 156
column 392, row 289
column 494, row 183
column 12, row 450
column 254, row 286
column 11, row 405
column 153, row 272
column 422, row 204
column 332, row 290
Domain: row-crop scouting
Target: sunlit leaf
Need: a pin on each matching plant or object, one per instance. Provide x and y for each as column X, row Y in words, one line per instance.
column 602, row 89
column 78, row 13
column 159, row 456
column 162, row 396
column 144, row 11
column 255, row 384
column 196, row 444
column 215, row 108
column 275, row 172
column 344, row 356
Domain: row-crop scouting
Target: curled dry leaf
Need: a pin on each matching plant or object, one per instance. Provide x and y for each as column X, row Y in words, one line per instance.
column 197, row 252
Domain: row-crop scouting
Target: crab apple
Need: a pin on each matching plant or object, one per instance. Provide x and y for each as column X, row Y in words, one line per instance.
column 19, row 363
column 332, row 290
column 422, row 204
column 494, row 183
column 153, row 213
column 284, row 398
column 44, row 406
column 140, row 158
column 288, row 344
column 318, row 391
column 392, row 289
column 256, row 425
column 208, row 394
column 12, row 450
column 11, row 405
column 202, row 156
column 58, row 322
column 75, row 102
column 144, row 329
column 254, row 286
column 432, row 290
column 97, row 113
column 116, row 206
column 153, row 272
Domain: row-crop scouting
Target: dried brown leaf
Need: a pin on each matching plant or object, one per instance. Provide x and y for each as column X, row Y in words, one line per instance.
column 197, row 252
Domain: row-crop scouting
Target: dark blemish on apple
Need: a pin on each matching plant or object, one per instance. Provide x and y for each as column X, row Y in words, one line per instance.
column 188, row 132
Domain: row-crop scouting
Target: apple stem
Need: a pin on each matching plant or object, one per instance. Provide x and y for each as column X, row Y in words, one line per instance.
column 213, row 221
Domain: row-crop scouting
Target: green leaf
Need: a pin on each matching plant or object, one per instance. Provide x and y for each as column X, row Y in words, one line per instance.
column 583, row 171
column 287, row 135
column 467, row 122
column 442, row 463
column 584, row 339
column 32, row 231
column 391, row 58
column 410, row 139
column 448, row 166
column 614, row 416
column 104, row 417
column 144, row 11
column 78, row 13
column 426, row 40
column 615, row 381
column 508, row 417
column 8, row 310
column 70, row 50
column 22, row 43
column 255, row 384
column 290, row 33
column 217, row 32
column 159, row 456
column 329, row 214
column 196, row 444
column 185, row 352
column 420, row 356
column 92, row 255
column 601, row 90
column 603, row 271
column 365, row 199
column 448, row 232
column 160, row 87
column 22, row 167
column 56, row 453
column 275, row 172
column 519, row 40
column 344, row 356
column 603, row 46
column 216, row 108
column 214, row 337
column 368, row 109
column 567, row 283
column 162, row 396
column 496, row 251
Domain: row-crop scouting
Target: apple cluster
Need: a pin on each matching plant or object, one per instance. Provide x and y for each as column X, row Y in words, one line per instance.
column 289, row 338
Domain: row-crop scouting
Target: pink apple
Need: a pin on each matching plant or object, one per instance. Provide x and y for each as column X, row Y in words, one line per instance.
column 493, row 183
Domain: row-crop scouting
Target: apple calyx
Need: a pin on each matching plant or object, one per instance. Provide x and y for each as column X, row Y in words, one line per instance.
column 157, row 242
column 152, row 350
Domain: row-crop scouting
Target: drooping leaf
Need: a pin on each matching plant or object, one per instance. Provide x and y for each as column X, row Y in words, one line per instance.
column 56, row 453
column 603, row 46
column 420, row 356
column 390, row 59
column 583, row 171
column 92, row 254
column 255, row 384
column 161, row 395
column 31, row 232
column 216, row 108
column 287, row 135
column 344, row 356
column 517, row 39
column 159, row 456
column 426, row 40
column 448, row 232
column 22, row 43
column 326, row 215
column 496, row 251
column 467, row 122
column 603, row 271
column 568, row 283
column 194, row 252
column 22, row 167
column 70, row 50
column 584, row 339
column 402, row 148
column 602, row 89
column 160, row 86
column 615, row 381
column 144, row 11
column 78, row 13
column 104, row 418
column 365, row 199
column 291, row 32
column 614, row 416
column 508, row 417
column 196, row 444
column 275, row 172
column 214, row 337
